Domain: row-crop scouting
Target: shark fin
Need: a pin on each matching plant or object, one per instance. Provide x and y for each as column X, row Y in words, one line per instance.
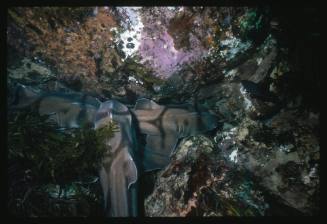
column 118, row 107
column 146, row 104
column 130, row 172
column 114, row 105
column 158, row 150
column 122, row 175
column 117, row 110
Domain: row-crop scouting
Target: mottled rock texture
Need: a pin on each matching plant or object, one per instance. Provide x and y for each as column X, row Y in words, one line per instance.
column 257, row 68
column 199, row 182
column 269, row 127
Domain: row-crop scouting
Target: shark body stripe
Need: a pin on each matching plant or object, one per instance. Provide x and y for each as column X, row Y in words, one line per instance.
column 82, row 114
column 164, row 126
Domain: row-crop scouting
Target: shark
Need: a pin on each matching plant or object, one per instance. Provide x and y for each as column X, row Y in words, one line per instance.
column 118, row 173
column 68, row 110
column 165, row 125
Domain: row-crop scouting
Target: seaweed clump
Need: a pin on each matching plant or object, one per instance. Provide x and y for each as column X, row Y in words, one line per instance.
column 253, row 24
column 51, row 172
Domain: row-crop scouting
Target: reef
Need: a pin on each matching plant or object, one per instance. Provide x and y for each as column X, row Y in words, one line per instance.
column 256, row 68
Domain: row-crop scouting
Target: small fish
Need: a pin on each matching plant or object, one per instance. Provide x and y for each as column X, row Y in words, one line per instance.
column 164, row 126
column 68, row 110
column 118, row 174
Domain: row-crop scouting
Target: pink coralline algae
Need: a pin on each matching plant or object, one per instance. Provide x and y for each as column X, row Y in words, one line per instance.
column 157, row 50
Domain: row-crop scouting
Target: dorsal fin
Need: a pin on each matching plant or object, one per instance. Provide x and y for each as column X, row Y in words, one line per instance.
column 114, row 108
column 146, row 104
column 130, row 171
column 114, row 105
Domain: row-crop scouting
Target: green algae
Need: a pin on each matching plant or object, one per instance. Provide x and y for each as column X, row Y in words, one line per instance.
column 55, row 167
column 251, row 23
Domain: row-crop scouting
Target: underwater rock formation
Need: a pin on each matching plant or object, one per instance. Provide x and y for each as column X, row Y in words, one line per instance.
column 169, row 40
column 198, row 182
column 256, row 68
column 267, row 130
column 283, row 153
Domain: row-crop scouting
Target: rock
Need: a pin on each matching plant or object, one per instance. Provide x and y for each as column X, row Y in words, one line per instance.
column 130, row 45
column 174, row 40
column 265, row 66
column 75, row 44
column 62, row 41
column 224, row 99
column 120, row 91
column 246, row 65
column 199, row 183
column 279, row 156
column 256, row 108
column 30, row 72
